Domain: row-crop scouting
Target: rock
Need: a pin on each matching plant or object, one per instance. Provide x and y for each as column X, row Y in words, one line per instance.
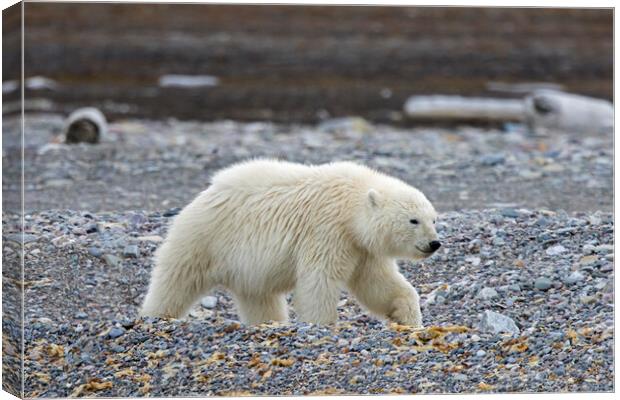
column 112, row 260
column 588, row 249
column 587, row 260
column 575, row 277
column 346, row 124
column 152, row 238
column 115, row 332
column 543, row 283
column 515, row 287
column 131, row 250
column 438, row 295
column 491, row 160
column 481, row 353
column 17, row 237
column 209, row 302
column 171, row 212
column 604, row 249
column 487, row 293
column 460, row 377
column 497, row 323
column 81, row 315
column 555, row 250
column 475, row 261
column 510, row 213
column 95, row 251
column 587, row 299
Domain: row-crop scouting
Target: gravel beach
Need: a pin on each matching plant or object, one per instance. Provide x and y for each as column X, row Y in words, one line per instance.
column 519, row 298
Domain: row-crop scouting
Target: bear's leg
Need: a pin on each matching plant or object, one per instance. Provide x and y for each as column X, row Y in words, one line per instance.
column 316, row 299
column 257, row 309
column 381, row 288
column 172, row 291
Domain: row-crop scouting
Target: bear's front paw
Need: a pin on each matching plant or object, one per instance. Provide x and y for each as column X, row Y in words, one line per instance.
column 407, row 312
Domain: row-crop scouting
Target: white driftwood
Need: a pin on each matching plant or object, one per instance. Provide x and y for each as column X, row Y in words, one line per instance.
column 91, row 115
column 548, row 110
column 523, row 88
column 441, row 107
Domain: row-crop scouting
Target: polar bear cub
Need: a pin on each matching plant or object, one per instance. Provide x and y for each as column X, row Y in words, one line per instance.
column 265, row 228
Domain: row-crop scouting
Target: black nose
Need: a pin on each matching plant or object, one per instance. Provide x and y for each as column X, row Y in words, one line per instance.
column 434, row 245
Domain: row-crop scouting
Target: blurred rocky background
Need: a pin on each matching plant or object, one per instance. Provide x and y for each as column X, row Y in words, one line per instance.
column 295, row 63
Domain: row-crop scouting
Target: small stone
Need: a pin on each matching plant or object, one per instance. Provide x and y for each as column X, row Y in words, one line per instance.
column 17, row 238
column 497, row 323
column 460, row 377
column 131, row 250
column 475, row 261
column 171, row 212
column 604, row 249
column 475, row 338
column 575, row 277
column 116, row 332
column 587, row 260
column 152, row 238
column 542, row 283
column 81, row 315
column 555, row 250
column 588, row 249
column 117, row 348
column 487, row 293
column 209, row 302
column 112, row 260
column 510, row 213
column 90, row 228
column 95, row 251
column 481, row 353
column 491, row 160
column 609, row 257
column 587, row 299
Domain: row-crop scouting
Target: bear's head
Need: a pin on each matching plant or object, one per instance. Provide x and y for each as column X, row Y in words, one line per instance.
column 399, row 222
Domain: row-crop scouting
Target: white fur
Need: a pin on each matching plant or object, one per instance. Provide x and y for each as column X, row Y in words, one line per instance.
column 265, row 228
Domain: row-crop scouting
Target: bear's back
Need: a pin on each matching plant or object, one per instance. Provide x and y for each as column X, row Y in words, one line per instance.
column 261, row 173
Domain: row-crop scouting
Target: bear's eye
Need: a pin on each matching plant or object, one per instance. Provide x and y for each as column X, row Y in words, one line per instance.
column 414, row 221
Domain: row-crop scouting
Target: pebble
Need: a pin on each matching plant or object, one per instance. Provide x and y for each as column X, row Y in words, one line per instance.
column 481, row 353
column 131, row 250
column 543, row 283
column 588, row 249
column 510, row 213
column 209, row 302
column 81, row 315
column 604, row 249
column 95, row 251
column 555, row 250
column 115, row 332
column 491, row 160
column 172, row 212
column 112, row 260
column 487, row 293
column 587, row 299
column 497, row 323
column 574, row 277
column 587, row 260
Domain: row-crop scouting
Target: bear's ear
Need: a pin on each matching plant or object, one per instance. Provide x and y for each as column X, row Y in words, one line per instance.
column 374, row 198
